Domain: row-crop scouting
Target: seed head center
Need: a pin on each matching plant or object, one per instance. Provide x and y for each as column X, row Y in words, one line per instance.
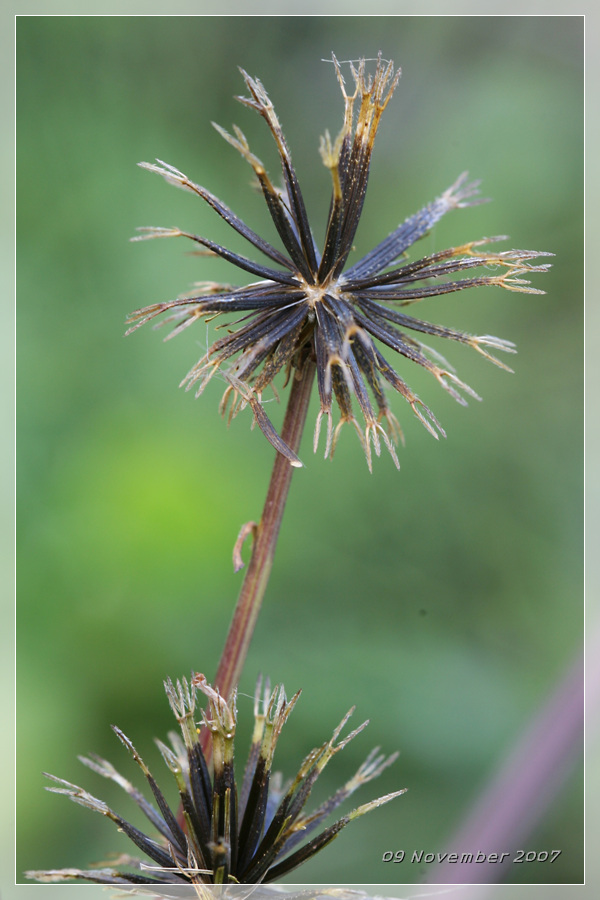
column 314, row 293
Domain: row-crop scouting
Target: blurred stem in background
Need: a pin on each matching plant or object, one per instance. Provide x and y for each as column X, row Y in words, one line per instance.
column 523, row 788
column 265, row 540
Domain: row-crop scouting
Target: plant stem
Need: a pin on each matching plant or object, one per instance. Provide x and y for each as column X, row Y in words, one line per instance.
column 265, row 541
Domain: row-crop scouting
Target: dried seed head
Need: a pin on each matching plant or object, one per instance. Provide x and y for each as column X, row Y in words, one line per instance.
column 252, row 836
column 307, row 302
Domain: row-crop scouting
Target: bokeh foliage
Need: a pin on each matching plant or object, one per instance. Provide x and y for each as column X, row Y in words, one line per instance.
column 444, row 600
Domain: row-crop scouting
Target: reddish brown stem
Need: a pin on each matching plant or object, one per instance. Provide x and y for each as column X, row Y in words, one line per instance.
column 267, row 532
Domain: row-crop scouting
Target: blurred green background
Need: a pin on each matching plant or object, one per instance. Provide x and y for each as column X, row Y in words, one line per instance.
column 443, row 600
